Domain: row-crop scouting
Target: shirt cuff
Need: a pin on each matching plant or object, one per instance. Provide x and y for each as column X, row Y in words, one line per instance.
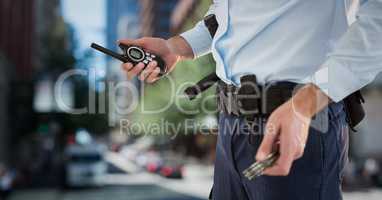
column 336, row 80
column 199, row 39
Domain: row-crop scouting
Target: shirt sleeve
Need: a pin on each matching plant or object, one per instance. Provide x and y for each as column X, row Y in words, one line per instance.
column 199, row 37
column 357, row 58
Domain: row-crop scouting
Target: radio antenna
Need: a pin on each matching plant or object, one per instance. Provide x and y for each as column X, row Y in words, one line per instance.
column 108, row 52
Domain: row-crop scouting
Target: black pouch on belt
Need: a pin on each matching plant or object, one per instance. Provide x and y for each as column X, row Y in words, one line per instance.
column 249, row 96
column 354, row 109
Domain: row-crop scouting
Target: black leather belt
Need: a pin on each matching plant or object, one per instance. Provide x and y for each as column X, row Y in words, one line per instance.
column 252, row 100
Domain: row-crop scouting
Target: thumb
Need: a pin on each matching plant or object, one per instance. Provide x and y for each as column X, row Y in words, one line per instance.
column 137, row 42
column 269, row 140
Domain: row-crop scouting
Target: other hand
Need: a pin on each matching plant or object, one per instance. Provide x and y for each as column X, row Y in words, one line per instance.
column 288, row 129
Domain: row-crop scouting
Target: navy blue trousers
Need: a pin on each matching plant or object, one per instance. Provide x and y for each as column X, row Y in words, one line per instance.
column 315, row 176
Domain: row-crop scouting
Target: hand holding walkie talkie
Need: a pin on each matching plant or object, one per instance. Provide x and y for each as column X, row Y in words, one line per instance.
column 150, row 58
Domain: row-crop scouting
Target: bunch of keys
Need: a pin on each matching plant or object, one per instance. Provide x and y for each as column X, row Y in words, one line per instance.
column 257, row 169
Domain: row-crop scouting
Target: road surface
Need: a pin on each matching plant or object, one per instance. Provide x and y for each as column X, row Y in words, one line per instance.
column 138, row 192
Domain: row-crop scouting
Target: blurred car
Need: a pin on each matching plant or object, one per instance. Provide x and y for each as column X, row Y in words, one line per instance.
column 141, row 145
column 129, row 153
column 85, row 165
column 153, row 162
column 143, row 159
column 6, row 181
column 164, row 164
column 153, row 167
column 172, row 168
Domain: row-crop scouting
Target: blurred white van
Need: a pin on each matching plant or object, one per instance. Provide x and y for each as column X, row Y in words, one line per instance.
column 85, row 165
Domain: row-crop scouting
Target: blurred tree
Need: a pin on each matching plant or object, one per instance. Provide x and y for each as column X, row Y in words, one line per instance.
column 57, row 54
column 95, row 123
column 57, row 51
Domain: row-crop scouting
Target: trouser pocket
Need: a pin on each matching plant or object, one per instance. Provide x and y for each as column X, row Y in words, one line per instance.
column 341, row 128
column 343, row 146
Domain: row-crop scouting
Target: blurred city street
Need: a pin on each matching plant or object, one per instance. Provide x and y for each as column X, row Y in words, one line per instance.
column 146, row 186
column 148, row 191
column 135, row 186
column 74, row 126
column 367, row 195
column 141, row 192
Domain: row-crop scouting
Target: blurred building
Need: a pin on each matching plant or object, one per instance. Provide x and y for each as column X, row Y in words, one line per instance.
column 25, row 26
column 136, row 18
column 122, row 17
column 4, row 89
column 164, row 18
column 155, row 16
column 47, row 14
column 16, row 45
column 54, row 52
column 17, row 34
column 122, row 21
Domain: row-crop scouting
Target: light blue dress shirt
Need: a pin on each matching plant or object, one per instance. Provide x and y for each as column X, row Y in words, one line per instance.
column 294, row 40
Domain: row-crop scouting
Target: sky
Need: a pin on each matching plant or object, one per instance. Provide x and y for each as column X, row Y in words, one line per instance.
column 88, row 17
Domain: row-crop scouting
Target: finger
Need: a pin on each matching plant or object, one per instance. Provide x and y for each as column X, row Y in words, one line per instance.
column 127, row 66
column 270, row 136
column 149, row 69
column 303, row 138
column 153, row 76
column 287, row 154
column 282, row 166
column 138, row 42
column 135, row 70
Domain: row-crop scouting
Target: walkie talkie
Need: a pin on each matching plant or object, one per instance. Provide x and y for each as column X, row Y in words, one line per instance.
column 134, row 55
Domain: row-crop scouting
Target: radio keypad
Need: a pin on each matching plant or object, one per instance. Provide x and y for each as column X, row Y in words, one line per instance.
column 148, row 58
